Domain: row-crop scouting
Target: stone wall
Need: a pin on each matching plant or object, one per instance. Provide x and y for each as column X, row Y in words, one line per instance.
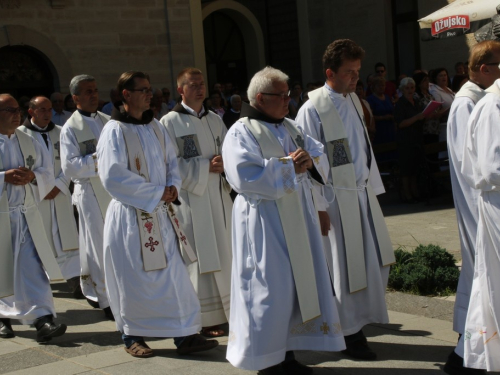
column 102, row 38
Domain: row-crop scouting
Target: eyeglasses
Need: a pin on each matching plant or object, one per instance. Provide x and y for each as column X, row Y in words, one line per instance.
column 493, row 63
column 283, row 96
column 145, row 91
column 11, row 110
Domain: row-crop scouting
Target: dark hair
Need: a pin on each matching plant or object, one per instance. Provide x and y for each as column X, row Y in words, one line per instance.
column 339, row 51
column 32, row 102
column 457, row 80
column 185, row 72
column 435, row 73
column 379, row 65
column 418, row 78
column 127, row 81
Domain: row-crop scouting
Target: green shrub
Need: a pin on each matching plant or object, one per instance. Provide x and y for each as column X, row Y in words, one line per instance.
column 428, row 270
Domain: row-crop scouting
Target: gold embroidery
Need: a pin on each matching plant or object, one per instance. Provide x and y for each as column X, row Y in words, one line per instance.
column 316, row 159
column 301, row 328
column 325, row 328
column 487, row 341
column 336, row 328
column 283, row 160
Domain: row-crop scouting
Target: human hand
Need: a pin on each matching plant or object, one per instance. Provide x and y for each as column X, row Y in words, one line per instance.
column 53, row 193
column 301, row 160
column 169, row 194
column 20, row 176
column 324, row 221
column 216, row 164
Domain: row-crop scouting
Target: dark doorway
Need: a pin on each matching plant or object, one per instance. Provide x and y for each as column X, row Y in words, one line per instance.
column 224, row 51
column 25, row 71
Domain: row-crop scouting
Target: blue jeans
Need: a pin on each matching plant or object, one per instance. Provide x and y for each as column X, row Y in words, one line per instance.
column 129, row 340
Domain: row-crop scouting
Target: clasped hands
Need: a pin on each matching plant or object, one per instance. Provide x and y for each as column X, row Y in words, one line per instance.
column 169, row 194
column 216, row 165
column 20, row 176
column 301, row 160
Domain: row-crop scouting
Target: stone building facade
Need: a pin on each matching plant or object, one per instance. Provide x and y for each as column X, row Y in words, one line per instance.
column 43, row 43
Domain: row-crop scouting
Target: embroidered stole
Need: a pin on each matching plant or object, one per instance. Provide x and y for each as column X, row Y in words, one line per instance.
column 88, row 143
column 346, row 191
column 6, row 252
column 68, row 232
column 294, row 225
column 201, row 210
column 150, row 231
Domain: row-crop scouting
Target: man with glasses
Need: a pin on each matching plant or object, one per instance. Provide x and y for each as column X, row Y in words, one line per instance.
column 390, row 88
column 357, row 244
column 281, row 297
column 56, row 208
column 484, row 59
column 79, row 138
column 59, row 115
column 205, row 212
column 149, row 288
column 25, row 254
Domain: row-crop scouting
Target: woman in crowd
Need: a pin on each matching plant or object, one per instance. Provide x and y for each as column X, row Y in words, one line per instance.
column 216, row 99
column 422, row 94
column 440, row 90
column 370, row 121
column 383, row 112
column 409, row 120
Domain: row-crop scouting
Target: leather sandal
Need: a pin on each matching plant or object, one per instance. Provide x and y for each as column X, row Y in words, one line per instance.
column 140, row 350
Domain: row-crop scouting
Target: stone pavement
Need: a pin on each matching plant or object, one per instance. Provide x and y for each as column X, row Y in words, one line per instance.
column 416, row 342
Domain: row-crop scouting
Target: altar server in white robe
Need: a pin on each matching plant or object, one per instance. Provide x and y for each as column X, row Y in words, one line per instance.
column 25, row 178
column 146, row 279
column 205, row 212
column 483, row 71
column 65, row 245
column 358, row 247
column 281, row 294
column 79, row 138
column 482, row 156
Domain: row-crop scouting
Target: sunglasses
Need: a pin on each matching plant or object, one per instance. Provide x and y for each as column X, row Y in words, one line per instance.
column 11, row 110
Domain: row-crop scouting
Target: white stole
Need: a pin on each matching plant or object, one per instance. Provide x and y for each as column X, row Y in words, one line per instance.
column 294, row 226
column 32, row 214
column 6, row 252
column 472, row 91
column 68, row 232
column 201, row 211
column 346, row 191
column 86, row 139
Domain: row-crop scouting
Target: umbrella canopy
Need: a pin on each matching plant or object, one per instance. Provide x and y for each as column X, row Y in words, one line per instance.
column 457, row 18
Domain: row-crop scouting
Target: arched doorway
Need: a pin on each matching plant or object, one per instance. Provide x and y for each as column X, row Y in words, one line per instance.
column 224, row 51
column 25, row 71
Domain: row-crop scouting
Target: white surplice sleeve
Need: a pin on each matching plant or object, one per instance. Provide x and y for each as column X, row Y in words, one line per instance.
column 121, row 183
column 249, row 173
column 43, row 171
column 487, row 142
column 73, row 164
column 173, row 175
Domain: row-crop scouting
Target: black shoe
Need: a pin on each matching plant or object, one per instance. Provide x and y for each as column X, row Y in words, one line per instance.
column 94, row 304
column 6, row 331
column 294, row 367
column 75, row 288
column 360, row 350
column 273, row 370
column 108, row 313
column 455, row 366
column 46, row 329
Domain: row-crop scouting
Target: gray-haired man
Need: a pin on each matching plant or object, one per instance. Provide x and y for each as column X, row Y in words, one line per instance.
column 79, row 138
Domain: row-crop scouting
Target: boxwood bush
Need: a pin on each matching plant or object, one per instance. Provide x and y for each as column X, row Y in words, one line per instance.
column 428, row 270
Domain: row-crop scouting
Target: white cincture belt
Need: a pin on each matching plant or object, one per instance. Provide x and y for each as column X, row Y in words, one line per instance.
column 22, row 208
column 361, row 187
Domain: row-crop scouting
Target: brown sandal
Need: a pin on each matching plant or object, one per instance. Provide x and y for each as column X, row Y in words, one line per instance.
column 140, row 350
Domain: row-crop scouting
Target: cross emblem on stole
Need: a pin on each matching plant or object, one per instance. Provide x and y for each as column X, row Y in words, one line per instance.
column 324, row 328
column 57, row 147
column 152, row 244
column 300, row 141
column 30, row 161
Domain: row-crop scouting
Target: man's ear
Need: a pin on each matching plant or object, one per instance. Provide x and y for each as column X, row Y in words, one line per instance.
column 330, row 74
column 31, row 111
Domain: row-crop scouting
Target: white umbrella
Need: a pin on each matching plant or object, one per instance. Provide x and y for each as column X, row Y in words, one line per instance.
column 457, row 18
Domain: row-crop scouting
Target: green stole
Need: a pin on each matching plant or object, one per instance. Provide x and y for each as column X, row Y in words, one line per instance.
column 294, row 225
column 346, row 190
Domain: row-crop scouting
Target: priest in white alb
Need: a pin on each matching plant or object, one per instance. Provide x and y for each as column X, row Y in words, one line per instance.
column 482, row 158
column 146, row 280
column 79, row 138
column 483, row 71
column 56, row 208
column 357, row 244
column 281, row 294
column 205, row 212
column 26, row 257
